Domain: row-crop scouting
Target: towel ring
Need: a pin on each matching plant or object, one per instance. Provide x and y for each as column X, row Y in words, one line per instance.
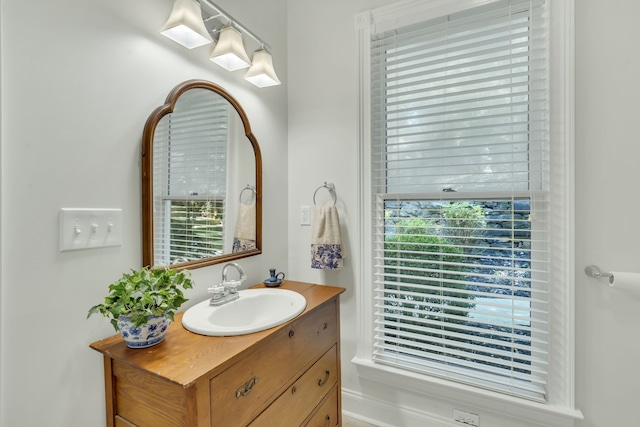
column 331, row 188
column 248, row 187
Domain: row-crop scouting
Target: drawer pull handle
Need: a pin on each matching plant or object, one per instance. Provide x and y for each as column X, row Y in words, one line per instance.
column 321, row 381
column 291, row 333
column 325, row 325
column 294, row 389
column 328, row 420
column 246, row 388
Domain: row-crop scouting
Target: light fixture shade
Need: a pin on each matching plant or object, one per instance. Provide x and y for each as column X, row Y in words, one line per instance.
column 261, row 72
column 229, row 52
column 185, row 25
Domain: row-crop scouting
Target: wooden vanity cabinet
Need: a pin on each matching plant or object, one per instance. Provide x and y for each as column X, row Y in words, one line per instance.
column 286, row 376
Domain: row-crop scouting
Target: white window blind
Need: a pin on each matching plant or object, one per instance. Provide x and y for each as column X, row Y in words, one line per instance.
column 460, row 190
column 190, row 162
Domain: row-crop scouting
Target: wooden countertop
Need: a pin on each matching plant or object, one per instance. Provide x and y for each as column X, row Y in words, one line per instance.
column 183, row 356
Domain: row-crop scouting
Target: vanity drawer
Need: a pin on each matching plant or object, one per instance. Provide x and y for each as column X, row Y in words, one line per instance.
column 327, row 413
column 244, row 390
column 299, row 400
column 143, row 400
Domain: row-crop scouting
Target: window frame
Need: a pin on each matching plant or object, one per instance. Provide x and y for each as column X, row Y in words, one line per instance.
column 560, row 406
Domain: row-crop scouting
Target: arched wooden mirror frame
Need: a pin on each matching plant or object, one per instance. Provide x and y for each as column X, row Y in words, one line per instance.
column 147, row 175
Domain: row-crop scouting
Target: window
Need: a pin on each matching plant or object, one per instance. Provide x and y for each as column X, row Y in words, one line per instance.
column 466, row 141
column 190, row 201
column 459, row 134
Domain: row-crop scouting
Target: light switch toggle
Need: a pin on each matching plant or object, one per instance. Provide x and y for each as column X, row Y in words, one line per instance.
column 87, row 228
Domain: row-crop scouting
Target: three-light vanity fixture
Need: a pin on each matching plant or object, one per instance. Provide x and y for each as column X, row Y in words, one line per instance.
column 187, row 25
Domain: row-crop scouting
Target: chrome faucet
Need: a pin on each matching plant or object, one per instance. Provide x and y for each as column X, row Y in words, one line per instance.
column 227, row 291
column 237, row 267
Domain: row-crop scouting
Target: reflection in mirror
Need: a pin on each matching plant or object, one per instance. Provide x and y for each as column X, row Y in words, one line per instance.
column 201, row 180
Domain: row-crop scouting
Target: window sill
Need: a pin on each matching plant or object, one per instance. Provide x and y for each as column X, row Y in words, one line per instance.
column 498, row 405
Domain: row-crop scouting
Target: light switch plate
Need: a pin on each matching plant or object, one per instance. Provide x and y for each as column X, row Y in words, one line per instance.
column 87, row 228
column 305, row 215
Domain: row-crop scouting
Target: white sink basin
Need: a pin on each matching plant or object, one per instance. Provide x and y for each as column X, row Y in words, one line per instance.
column 255, row 310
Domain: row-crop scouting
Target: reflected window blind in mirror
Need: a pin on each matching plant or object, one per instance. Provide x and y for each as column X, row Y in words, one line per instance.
column 191, row 150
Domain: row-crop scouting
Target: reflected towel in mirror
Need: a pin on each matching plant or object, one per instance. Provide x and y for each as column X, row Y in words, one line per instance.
column 327, row 250
column 244, row 237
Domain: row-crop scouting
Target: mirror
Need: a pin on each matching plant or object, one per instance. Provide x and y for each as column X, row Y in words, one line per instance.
column 201, row 180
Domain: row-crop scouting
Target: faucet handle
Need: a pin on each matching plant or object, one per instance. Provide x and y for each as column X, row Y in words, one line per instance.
column 232, row 285
column 216, row 290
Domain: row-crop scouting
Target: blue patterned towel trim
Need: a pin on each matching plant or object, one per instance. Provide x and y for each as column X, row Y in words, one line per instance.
column 326, row 257
column 241, row 245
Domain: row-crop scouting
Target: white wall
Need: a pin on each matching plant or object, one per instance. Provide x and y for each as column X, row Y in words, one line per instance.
column 79, row 78
column 323, row 147
column 323, row 144
column 607, row 232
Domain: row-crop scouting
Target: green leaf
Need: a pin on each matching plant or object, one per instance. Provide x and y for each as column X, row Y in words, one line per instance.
column 143, row 293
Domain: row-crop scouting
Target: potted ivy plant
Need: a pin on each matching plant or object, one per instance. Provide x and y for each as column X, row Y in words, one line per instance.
column 141, row 304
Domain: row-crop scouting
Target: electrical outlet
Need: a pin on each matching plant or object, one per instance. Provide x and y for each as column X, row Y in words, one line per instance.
column 466, row 418
column 305, row 215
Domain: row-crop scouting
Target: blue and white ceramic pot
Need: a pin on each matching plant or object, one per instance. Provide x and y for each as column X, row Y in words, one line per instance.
column 151, row 333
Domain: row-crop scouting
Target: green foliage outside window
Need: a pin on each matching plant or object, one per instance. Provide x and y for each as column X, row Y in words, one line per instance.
column 434, row 254
column 196, row 229
column 463, row 219
column 424, row 266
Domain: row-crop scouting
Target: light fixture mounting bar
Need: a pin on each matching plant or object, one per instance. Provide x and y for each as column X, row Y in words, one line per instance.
column 235, row 23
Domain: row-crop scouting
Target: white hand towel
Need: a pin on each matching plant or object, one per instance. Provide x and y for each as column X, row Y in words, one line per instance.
column 245, row 233
column 327, row 250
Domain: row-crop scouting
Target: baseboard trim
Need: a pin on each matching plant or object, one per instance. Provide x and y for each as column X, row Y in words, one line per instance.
column 384, row 414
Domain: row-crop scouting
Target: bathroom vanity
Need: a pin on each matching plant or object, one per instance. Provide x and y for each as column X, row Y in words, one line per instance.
column 285, row 376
